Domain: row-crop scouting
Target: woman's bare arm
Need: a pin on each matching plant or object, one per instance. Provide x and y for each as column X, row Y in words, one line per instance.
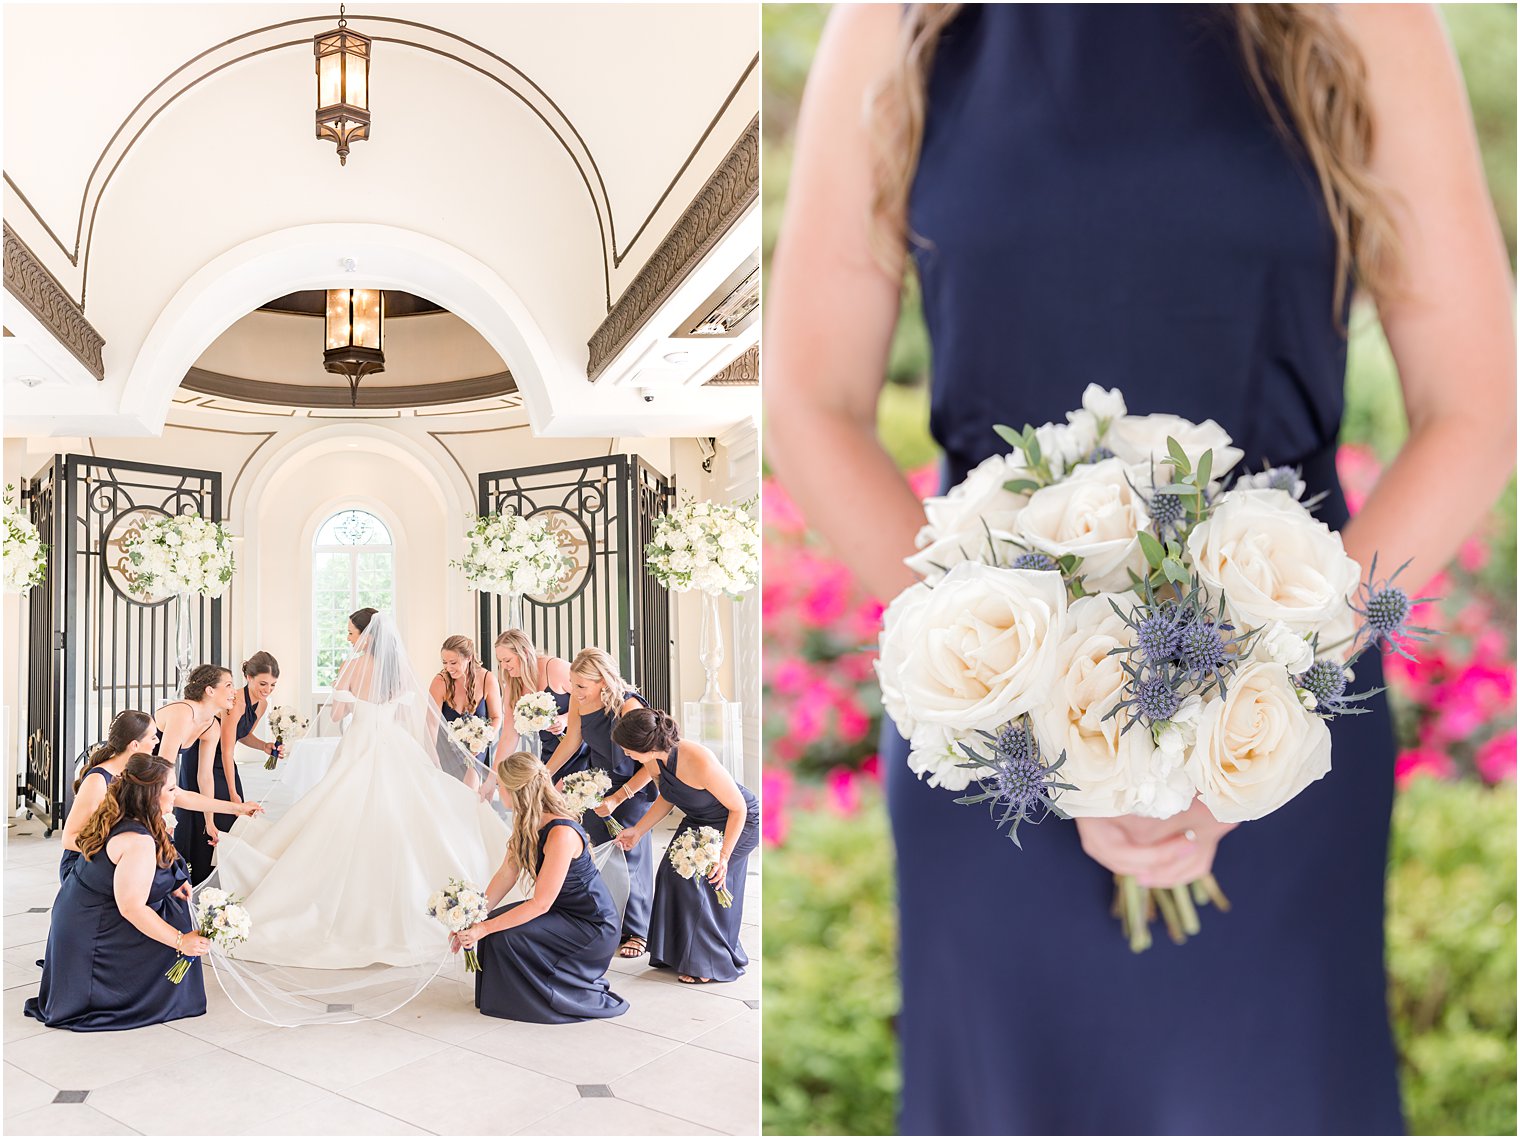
column 829, row 315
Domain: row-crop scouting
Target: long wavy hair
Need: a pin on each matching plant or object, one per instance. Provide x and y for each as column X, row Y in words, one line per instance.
column 516, row 687
column 126, row 729
column 534, row 795
column 1301, row 48
column 594, row 664
column 460, row 645
column 136, row 795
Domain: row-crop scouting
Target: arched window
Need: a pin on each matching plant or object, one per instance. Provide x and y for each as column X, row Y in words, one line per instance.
column 353, row 566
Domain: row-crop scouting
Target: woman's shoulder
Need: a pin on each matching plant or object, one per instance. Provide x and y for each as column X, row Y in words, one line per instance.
column 559, row 830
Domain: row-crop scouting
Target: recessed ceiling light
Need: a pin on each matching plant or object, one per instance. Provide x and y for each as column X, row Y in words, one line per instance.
column 677, row 357
column 30, row 381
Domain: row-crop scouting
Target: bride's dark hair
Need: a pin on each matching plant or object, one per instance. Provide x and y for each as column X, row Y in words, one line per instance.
column 360, row 618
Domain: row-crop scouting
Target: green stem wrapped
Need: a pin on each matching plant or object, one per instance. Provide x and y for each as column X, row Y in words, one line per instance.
column 1137, row 927
column 177, row 971
column 471, row 961
column 1186, row 914
column 1167, row 904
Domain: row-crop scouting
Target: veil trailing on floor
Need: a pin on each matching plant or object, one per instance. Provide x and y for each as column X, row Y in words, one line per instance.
column 336, row 879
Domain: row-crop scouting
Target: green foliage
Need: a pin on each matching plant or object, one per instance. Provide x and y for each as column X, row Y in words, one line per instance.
column 1451, row 954
column 830, row 991
column 830, row 1051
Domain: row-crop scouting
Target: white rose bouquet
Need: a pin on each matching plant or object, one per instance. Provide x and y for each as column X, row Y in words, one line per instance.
column 586, row 789
column 507, row 553
column 696, row 851
column 219, row 918
column 706, row 546
column 534, row 712
column 181, row 554
column 1106, row 627
column 471, row 733
column 458, row 906
column 285, row 723
column 25, row 553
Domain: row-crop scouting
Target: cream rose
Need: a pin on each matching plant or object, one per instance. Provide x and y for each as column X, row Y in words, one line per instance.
column 959, row 521
column 1096, row 515
column 1273, row 561
column 1142, row 439
column 1257, row 747
column 973, row 652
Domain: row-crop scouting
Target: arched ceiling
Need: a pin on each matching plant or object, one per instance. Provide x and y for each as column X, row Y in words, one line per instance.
column 564, row 146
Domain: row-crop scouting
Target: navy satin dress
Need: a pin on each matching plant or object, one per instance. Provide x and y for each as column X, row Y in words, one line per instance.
column 688, row 930
column 66, row 863
column 598, row 750
column 1105, row 200
column 553, row 969
column 190, row 826
column 101, row 972
column 548, row 740
column 246, row 721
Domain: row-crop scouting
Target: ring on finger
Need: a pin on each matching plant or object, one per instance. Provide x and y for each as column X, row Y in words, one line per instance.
column 1190, row 834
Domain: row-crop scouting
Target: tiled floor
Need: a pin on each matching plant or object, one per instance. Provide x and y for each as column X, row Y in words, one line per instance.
column 684, row 1060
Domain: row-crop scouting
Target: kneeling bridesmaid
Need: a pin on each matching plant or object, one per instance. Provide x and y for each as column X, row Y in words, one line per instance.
column 689, row 930
column 544, row 959
column 123, row 916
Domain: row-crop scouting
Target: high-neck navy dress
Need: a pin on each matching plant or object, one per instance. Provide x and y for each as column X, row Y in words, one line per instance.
column 102, row 973
column 190, row 837
column 599, row 751
column 688, row 930
column 553, row 969
column 1104, row 199
column 246, row 721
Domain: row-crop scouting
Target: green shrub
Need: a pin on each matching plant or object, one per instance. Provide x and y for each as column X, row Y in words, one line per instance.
column 830, row 988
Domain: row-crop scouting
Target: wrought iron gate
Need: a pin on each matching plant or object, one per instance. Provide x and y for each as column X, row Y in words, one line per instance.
column 604, row 508
column 96, row 647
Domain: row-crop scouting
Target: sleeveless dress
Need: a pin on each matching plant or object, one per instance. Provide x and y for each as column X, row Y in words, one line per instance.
column 598, row 750
column 102, row 973
column 190, row 826
column 245, row 724
column 553, row 969
column 66, row 863
column 1105, row 200
column 688, row 930
column 547, row 740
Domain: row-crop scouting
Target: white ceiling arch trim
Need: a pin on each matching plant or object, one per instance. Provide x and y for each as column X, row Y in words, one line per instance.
column 406, row 33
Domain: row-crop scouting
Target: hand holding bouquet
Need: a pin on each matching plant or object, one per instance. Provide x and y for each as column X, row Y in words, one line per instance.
column 699, row 850
column 219, row 919
column 585, row 790
column 1105, row 628
column 286, row 724
column 458, row 906
column 535, row 712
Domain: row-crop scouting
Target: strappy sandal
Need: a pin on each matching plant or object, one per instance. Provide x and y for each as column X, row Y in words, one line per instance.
column 685, row 980
column 633, row 947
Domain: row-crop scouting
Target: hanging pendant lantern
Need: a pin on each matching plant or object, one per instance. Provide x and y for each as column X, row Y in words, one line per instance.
column 355, row 328
column 342, row 86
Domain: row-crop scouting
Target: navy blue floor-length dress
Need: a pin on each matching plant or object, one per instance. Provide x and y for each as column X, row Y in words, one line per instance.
column 553, row 969
column 598, row 750
column 1103, row 199
column 190, row 837
column 102, row 973
column 688, row 930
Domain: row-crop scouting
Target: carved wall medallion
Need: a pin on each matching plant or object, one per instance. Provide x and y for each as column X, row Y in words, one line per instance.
column 30, row 282
column 118, row 567
column 734, row 185
column 742, row 371
column 576, row 540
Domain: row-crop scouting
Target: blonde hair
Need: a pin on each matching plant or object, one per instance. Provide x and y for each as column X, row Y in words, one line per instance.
column 465, row 647
column 516, row 687
column 534, row 795
column 1304, row 48
column 594, row 664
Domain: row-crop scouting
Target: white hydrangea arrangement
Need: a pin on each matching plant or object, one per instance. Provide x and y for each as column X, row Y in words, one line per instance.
column 181, row 554
column 508, row 553
column 25, row 553
column 706, row 546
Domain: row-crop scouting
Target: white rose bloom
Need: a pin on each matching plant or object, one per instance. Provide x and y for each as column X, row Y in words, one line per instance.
column 1335, row 636
column 975, row 651
column 1281, row 645
column 1142, row 438
column 1096, row 515
column 1273, row 561
column 211, row 896
column 1257, row 747
column 1105, row 405
column 955, row 532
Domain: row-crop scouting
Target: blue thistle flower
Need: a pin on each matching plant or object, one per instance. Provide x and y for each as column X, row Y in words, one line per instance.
column 1166, row 511
column 1202, row 648
column 1035, row 560
column 1156, row 699
column 1014, row 779
column 1385, row 610
column 1326, row 681
column 1158, row 635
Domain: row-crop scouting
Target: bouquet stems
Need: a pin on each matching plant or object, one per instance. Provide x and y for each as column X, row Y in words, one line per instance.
column 177, row 971
column 1135, row 906
column 1137, row 927
column 471, row 961
column 725, row 898
column 274, row 755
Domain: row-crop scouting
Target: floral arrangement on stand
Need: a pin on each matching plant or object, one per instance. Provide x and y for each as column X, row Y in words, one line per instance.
column 180, row 555
column 508, row 553
column 706, row 546
column 25, row 553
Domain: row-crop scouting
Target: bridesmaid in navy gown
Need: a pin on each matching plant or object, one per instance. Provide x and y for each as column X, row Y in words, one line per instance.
column 523, row 670
column 454, row 692
column 123, row 917
column 261, row 672
column 544, row 959
column 600, row 697
column 190, row 728
column 688, row 930
column 1101, row 194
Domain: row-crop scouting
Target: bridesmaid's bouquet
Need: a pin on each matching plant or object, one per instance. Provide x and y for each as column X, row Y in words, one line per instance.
column 219, row 918
column 285, row 723
column 535, row 712
column 1109, row 625
column 471, row 733
column 458, row 906
column 585, row 790
column 696, row 851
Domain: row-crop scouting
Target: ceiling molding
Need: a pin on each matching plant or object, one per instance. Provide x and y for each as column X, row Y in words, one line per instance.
column 726, row 195
column 30, row 282
column 370, row 399
column 743, row 371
